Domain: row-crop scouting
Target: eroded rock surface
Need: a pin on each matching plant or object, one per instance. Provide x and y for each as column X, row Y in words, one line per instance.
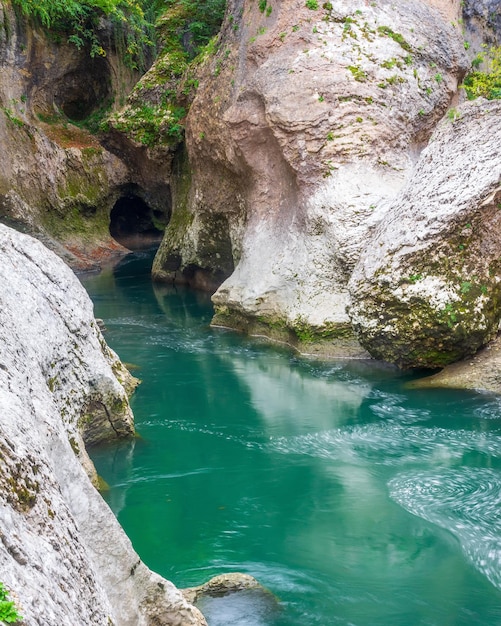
column 481, row 372
column 57, row 181
column 306, row 123
column 426, row 291
column 222, row 585
column 483, row 22
column 62, row 551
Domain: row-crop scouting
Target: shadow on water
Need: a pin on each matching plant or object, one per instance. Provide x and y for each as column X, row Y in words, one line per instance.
column 135, row 265
column 353, row 499
column 246, row 608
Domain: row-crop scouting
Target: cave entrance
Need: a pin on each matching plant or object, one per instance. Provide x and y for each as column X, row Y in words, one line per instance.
column 84, row 90
column 135, row 225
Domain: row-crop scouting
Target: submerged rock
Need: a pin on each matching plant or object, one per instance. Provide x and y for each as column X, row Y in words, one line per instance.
column 236, row 599
column 62, row 550
column 426, row 291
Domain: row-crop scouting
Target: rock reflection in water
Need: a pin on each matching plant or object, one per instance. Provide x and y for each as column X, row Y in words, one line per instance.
column 255, row 460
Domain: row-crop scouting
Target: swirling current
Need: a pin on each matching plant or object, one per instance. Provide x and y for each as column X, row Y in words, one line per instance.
column 353, row 499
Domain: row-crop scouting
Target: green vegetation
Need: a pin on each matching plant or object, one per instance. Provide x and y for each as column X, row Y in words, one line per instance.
column 312, row 5
column 202, row 20
column 358, row 73
column 12, row 118
column 306, row 333
column 149, row 124
column 77, row 21
column 414, row 278
column 485, row 84
column 8, row 611
column 185, row 38
column 448, row 315
column 264, row 7
column 397, row 37
column 93, row 122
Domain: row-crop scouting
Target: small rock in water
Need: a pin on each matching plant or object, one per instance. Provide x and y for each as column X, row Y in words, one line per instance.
column 234, row 598
column 101, row 325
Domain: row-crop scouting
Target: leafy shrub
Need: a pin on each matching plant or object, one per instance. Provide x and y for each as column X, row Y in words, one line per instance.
column 152, row 124
column 202, row 20
column 485, row 84
column 78, row 21
column 8, row 611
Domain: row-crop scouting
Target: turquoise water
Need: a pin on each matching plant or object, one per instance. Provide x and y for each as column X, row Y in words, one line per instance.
column 352, row 499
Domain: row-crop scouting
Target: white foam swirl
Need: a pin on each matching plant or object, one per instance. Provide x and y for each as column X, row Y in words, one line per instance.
column 464, row 501
column 390, row 444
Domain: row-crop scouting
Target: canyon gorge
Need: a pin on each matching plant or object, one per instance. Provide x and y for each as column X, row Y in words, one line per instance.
column 320, row 169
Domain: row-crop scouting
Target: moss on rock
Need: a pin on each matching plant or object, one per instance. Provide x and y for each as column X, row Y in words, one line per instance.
column 331, row 340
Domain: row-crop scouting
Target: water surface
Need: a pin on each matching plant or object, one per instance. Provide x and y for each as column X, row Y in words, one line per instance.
column 352, row 499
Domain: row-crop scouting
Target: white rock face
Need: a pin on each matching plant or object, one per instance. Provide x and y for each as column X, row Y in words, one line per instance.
column 426, row 291
column 306, row 123
column 62, row 552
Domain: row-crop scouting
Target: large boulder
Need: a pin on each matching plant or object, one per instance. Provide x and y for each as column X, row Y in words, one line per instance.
column 62, row 551
column 481, row 372
column 426, row 291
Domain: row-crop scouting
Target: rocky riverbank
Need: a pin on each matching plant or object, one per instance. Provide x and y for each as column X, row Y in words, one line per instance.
column 62, row 551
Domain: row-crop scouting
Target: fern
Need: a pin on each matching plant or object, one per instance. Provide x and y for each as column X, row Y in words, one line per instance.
column 78, row 21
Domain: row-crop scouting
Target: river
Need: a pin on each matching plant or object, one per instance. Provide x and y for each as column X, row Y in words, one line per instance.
column 353, row 499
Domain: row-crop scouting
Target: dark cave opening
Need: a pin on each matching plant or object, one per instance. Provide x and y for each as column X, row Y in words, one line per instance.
column 84, row 90
column 135, row 225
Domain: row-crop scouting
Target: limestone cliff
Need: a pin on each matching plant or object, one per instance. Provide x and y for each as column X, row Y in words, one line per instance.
column 307, row 122
column 62, row 552
column 305, row 128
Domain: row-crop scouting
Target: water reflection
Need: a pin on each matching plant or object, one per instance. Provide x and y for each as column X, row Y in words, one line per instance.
column 255, row 460
column 117, row 460
column 293, row 397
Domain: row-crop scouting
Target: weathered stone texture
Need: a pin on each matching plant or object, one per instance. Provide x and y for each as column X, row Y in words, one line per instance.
column 57, row 181
column 306, row 123
column 426, row 291
column 481, row 372
column 483, row 23
column 62, row 550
